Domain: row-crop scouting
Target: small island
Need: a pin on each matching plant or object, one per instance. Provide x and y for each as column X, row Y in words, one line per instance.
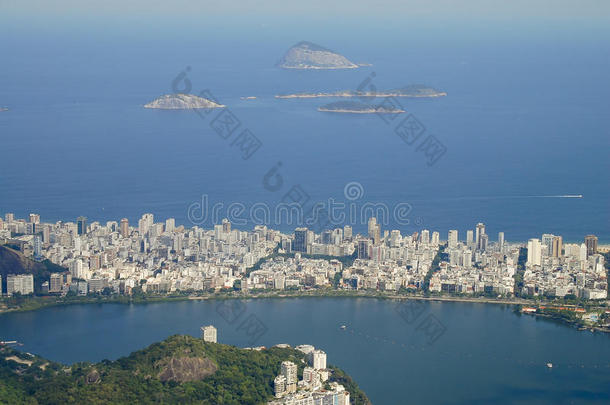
column 412, row 91
column 306, row 55
column 181, row 102
column 354, row 107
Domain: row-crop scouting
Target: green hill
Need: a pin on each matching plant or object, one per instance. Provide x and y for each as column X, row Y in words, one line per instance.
column 180, row 369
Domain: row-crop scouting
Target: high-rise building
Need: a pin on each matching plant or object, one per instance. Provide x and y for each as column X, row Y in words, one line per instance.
column 547, row 244
column 170, row 225
column 22, row 284
column 347, row 232
column 34, row 218
column 124, row 227
column 557, row 248
column 372, row 226
column 480, row 230
column 435, row 238
column 452, row 238
column 363, row 249
column 37, row 246
column 9, row 217
column 318, row 360
column 145, row 223
column 226, row 225
column 300, row 240
column 279, row 386
column 81, row 224
column 591, row 244
column 500, row 241
column 289, row 370
column 209, row 333
column 56, row 282
column 424, row 237
column 534, row 252
column 469, row 239
column 483, row 242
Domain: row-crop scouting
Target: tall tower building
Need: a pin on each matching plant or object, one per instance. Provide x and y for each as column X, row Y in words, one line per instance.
column 534, row 252
column 591, row 244
column 170, row 225
column 557, row 246
column 81, row 223
column 318, row 359
column 452, row 238
column 347, row 232
column 124, row 228
column 501, row 241
column 547, row 243
column 289, row 370
column 300, row 240
column 469, row 239
column 425, row 237
column 363, row 249
column 480, row 230
column 34, row 218
column 226, row 225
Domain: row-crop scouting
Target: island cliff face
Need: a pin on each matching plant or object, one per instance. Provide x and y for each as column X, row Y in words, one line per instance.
column 181, row 102
column 306, row 55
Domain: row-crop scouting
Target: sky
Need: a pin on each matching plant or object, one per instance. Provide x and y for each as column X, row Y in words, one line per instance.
column 572, row 9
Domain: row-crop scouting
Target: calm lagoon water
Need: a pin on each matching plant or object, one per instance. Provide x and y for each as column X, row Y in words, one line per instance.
column 487, row 353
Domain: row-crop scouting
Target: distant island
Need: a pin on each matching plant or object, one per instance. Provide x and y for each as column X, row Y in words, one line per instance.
column 355, row 107
column 180, row 369
column 306, row 55
column 181, row 102
column 413, row 91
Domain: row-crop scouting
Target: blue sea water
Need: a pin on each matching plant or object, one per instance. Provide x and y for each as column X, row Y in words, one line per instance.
column 526, row 116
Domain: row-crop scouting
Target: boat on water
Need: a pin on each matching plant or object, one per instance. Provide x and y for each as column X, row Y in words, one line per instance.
column 549, row 365
column 343, row 327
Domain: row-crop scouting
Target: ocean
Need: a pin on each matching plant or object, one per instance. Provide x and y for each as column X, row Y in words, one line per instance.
column 524, row 124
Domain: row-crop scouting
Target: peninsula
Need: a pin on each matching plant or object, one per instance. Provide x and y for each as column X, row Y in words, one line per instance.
column 181, row 102
column 355, row 107
column 412, row 91
column 180, row 369
column 306, row 55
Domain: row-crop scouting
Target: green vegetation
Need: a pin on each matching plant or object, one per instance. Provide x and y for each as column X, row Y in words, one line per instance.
column 520, row 271
column 180, row 369
column 434, row 267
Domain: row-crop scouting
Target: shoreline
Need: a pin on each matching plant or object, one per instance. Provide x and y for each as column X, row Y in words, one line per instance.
column 38, row 303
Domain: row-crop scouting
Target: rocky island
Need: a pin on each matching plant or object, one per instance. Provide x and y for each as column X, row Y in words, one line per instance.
column 306, row 55
column 355, row 107
column 179, row 370
column 181, row 102
column 413, row 91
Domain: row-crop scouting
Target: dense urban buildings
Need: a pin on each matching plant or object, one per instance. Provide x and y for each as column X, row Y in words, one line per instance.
column 160, row 257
